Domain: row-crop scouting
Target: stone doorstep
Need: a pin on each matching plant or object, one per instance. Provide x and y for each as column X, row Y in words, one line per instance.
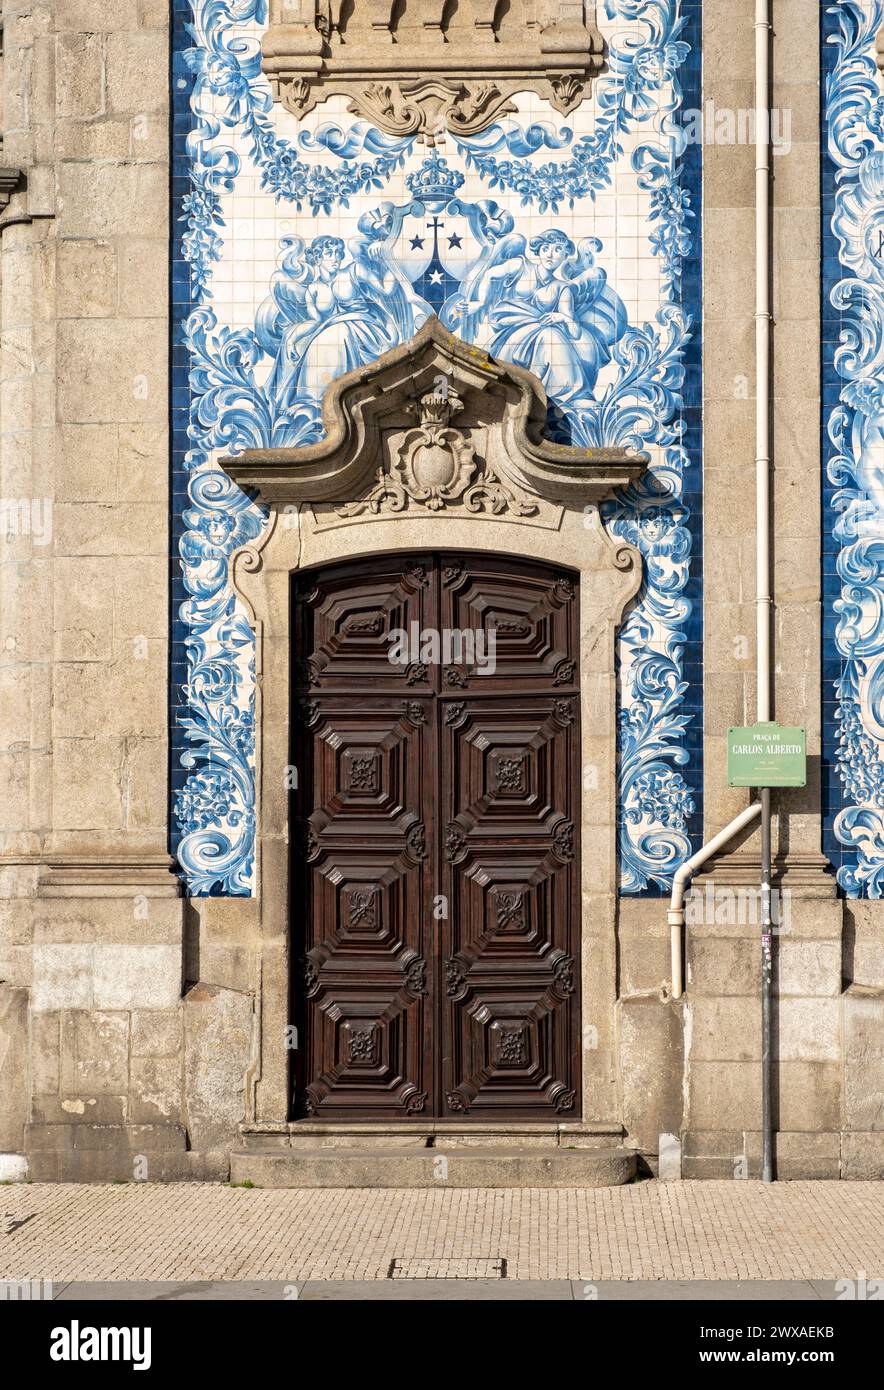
column 115, row 1166
column 307, row 1134
column 410, row 1168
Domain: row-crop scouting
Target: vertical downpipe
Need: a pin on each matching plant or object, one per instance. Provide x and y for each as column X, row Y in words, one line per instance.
column 762, row 527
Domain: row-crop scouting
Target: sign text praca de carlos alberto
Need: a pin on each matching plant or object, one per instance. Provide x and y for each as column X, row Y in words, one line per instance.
column 766, row 755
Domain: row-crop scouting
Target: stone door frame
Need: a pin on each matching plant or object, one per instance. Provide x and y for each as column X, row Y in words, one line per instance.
column 553, row 517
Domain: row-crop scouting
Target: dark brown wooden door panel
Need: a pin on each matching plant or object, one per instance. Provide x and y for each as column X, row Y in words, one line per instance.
column 506, row 765
column 368, row 763
column 366, row 1041
column 532, row 615
column 436, row 875
column 510, row 1055
column 342, row 618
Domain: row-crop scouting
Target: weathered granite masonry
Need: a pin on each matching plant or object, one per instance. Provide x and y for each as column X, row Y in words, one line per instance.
column 123, row 1054
column 140, row 1030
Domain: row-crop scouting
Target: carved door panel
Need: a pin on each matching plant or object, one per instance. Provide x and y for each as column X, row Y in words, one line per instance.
column 436, row 881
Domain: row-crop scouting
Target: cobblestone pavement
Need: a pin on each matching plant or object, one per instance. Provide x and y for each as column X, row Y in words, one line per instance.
column 650, row 1230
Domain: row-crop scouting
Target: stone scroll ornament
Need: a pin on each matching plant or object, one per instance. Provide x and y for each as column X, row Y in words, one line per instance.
column 395, row 63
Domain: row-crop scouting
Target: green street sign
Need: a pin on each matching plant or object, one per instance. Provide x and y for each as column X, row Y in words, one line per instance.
column 766, row 755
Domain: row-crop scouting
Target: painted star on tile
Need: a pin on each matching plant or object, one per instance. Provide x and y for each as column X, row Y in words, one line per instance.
column 454, row 241
column 436, row 277
column 417, row 243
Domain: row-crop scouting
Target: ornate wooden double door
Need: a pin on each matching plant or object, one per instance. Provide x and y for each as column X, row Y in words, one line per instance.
column 436, row 888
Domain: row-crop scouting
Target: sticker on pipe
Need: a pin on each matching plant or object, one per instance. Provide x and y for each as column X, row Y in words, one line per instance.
column 766, row 755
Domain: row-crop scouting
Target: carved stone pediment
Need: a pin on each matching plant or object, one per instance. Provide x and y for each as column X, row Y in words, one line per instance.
column 425, row 66
column 435, row 424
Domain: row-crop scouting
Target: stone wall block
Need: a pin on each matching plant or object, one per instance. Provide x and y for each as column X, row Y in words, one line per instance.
column 87, row 279
column 862, row 1156
column 98, row 529
column 156, row 1032
column 96, row 16
column 63, row 977
column 79, row 74
column 807, row 1096
column 137, row 67
column 137, row 977
column 112, row 370
column 807, row 967
column 146, row 783
column 155, row 1096
column 13, row 1067
column 109, row 200
column 124, row 698
column 808, row 1030
column 83, row 617
column 140, row 605
column 217, row 1050
column 76, row 1110
column 87, row 792
column 725, row 1029
column 723, row 967
column 142, row 462
column 94, row 1053
column 651, row 1061
column 863, row 1060
column 45, row 1045
column 724, row 1097
column 88, row 455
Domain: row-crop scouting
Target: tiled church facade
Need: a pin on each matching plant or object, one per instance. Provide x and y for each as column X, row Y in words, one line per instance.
column 217, row 210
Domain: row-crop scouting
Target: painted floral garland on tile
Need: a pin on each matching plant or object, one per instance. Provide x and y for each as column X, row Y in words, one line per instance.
column 855, row 125
column 231, row 411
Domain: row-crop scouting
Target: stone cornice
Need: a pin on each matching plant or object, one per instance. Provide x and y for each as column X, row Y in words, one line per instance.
column 422, row 72
column 110, row 875
column 806, row 873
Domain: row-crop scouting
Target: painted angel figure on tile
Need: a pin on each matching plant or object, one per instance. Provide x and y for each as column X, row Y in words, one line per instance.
column 332, row 308
column 543, row 304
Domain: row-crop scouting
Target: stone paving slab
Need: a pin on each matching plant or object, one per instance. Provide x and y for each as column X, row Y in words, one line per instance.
column 189, row 1232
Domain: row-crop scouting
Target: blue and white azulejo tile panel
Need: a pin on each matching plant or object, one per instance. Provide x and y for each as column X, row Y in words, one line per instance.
column 306, row 248
column 853, row 445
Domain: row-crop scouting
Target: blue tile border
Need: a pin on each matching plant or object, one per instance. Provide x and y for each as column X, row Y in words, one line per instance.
column 691, row 416
column 181, row 303
column 837, row 739
column 830, row 383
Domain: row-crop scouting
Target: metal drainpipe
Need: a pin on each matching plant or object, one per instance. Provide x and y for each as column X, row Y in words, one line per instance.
column 680, row 881
column 762, row 527
column 763, row 598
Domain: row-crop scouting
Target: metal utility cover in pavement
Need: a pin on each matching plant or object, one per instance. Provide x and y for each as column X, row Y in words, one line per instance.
column 766, row 755
column 472, row 1267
